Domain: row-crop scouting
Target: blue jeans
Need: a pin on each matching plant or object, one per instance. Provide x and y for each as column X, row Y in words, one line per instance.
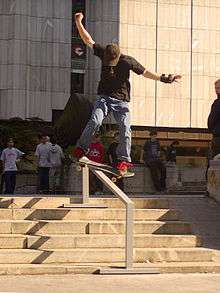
column 43, row 177
column 103, row 106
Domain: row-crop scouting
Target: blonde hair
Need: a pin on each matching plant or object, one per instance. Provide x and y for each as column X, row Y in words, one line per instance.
column 217, row 82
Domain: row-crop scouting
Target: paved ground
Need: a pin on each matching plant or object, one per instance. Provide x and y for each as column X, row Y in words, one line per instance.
column 172, row 283
column 204, row 215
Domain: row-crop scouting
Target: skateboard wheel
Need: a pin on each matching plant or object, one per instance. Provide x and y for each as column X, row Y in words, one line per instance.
column 114, row 179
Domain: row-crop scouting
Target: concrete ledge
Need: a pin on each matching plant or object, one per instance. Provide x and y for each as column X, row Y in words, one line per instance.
column 213, row 184
column 140, row 183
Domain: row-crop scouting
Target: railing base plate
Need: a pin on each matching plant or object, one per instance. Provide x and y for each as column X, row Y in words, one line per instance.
column 125, row 271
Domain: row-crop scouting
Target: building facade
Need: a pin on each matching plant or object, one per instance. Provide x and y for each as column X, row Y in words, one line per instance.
column 43, row 60
column 35, row 57
column 166, row 36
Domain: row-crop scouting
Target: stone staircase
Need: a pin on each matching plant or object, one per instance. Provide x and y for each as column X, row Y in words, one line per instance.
column 189, row 188
column 39, row 236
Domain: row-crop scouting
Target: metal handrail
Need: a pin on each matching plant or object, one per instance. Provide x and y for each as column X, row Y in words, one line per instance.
column 124, row 198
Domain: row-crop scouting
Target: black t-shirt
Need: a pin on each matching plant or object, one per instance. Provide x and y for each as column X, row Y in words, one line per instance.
column 117, row 85
column 151, row 150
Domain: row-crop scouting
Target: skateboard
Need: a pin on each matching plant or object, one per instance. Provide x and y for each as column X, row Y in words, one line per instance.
column 116, row 174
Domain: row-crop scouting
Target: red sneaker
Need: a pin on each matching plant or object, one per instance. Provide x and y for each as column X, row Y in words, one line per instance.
column 124, row 165
column 78, row 152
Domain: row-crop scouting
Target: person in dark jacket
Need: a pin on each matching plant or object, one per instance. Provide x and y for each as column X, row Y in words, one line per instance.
column 171, row 152
column 42, row 154
column 1, row 170
column 151, row 157
column 214, row 121
column 113, row 160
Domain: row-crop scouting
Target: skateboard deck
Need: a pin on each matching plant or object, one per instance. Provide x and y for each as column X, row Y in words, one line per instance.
column 105, row 168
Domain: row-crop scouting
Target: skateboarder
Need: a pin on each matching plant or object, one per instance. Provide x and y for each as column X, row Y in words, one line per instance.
column 114, row 94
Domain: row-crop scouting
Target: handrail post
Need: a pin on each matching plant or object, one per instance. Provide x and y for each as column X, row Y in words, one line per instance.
column 85, row 184
column 129, row 239
column 129, row 228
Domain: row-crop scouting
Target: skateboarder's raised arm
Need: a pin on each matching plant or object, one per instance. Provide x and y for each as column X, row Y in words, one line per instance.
column 85, row 36
column 139, row 69
column 163, row 78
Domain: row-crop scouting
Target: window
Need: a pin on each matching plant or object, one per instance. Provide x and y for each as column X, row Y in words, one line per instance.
column 78, row 51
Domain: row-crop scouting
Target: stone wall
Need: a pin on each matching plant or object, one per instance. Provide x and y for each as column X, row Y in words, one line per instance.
column 139, row 184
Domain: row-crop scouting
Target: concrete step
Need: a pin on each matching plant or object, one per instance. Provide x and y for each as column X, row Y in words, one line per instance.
column 8, row 241
column 140, row 227
column 41, row 227
column 14, row 241
column 80, row 255
column 55, row 202
column 33, row 202
column 86, row 214
column 110, row 241
column 91, row 268
column 140, row 203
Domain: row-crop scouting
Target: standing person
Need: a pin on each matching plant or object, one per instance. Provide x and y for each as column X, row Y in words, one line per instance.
column 171, row 152
column 96, row 154
column 1, row 170
column 214, row 121
column 209, row 156
column 55, row 158
column 151, row 157
column 42, row 153
column 113, row 160
column 173, row 172
column 114, row 94
column 10, row 156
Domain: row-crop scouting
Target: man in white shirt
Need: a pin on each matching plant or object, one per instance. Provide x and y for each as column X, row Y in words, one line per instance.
column 9, row 156
column 42, row 153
